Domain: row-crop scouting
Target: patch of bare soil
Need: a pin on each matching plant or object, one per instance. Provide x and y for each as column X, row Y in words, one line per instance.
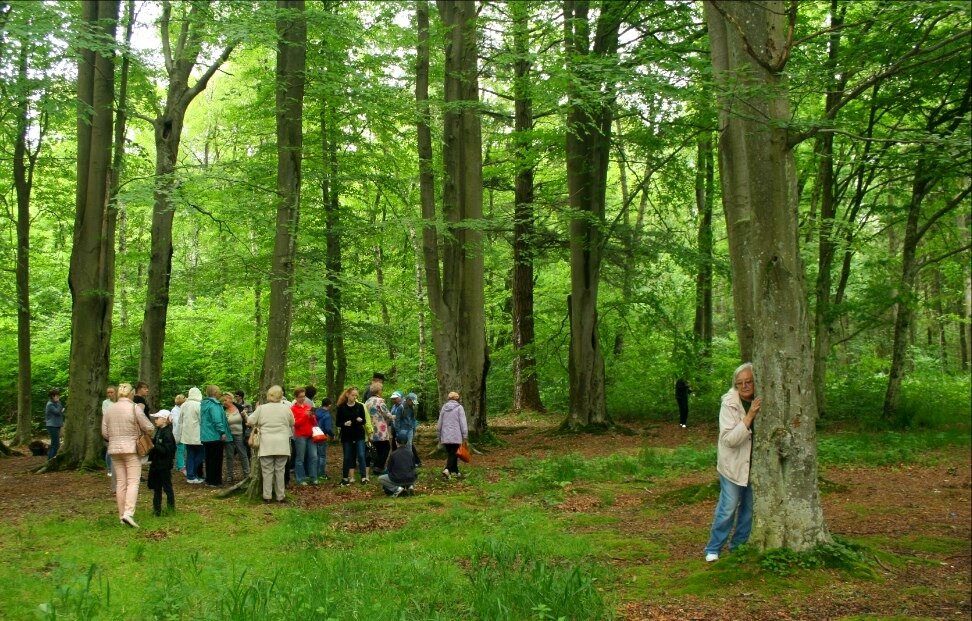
column 912, row 506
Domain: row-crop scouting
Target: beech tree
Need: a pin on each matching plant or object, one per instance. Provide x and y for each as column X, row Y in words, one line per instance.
column 452, row 243
column 291, row 61
column 589, row 117
column 91, row 277
column 526, row 388
column 750, row 44
column 180, row 62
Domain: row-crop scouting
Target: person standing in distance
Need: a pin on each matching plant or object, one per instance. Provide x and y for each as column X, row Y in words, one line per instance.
column 682, row 390
column 739, row 409
column 54, row 420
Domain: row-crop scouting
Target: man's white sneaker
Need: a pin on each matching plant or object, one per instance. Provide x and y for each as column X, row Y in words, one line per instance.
column 128, row 521
column 711, row 556
column 397, row 492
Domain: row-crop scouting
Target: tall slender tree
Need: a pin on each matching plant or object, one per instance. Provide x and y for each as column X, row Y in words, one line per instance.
column 526, row 389
column 454, row 258
column 180, row 62
column 291, row 62
column 91, row 275
column 590, row 104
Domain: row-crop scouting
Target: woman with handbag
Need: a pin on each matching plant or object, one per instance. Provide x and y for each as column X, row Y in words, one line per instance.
column 273, row 424
column 453, row 433
column 121, row 426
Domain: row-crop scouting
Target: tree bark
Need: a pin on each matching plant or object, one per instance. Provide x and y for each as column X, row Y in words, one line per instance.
column 179, row 64
column 526, row 389
column 588, row 147
column 24, row 161
column 91, row 272
column 749, row 46
column 456, row 286
column 826, row 191
column 335, row 358
column 291, row 61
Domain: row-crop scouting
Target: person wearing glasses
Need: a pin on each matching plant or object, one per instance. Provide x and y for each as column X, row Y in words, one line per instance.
column 739, row 409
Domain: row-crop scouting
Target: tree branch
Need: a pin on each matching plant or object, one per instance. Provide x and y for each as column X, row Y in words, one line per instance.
column 929, row 261
column 210, row 71
column 164, row 28
column 949, row 206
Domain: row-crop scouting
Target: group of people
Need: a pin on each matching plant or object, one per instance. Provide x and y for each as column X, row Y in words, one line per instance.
column 199, row 436
column 280, row 432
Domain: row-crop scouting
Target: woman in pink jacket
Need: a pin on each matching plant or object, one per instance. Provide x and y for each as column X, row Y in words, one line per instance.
column 120, row 426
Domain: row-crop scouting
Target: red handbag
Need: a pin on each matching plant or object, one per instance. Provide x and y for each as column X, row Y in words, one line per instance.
column 463, row 452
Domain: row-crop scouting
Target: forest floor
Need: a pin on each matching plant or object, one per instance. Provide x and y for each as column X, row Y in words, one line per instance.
column 917, row 519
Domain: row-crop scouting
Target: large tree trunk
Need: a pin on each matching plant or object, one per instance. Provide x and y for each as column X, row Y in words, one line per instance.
column 179, row 64
column 91, row 275
column 965, row 302
column 291, row 60
column 749, row 47
column 456, row 286
column 335, row 358
column 704, row 191
column 526, row 389
column 588, row 146
column 24, row 161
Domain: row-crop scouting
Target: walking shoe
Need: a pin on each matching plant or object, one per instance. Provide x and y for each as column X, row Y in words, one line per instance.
column 445, row 474
column 411, row 490
column 303, row 484
column 194, row 481
column 711, row 556
column 365, row 481
column 398, row 491
column 345, row 482
column 128, row 521
column 683, row 426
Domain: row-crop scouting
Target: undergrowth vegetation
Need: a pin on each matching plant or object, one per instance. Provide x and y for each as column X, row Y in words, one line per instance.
column 503, row 549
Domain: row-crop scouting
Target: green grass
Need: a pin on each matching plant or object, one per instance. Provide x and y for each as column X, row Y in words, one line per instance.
column 477, row 551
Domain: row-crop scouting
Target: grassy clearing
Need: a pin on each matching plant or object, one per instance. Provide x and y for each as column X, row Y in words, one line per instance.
column 505, row 550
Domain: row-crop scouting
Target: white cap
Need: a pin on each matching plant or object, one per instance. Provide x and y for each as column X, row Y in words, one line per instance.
column 162, row 414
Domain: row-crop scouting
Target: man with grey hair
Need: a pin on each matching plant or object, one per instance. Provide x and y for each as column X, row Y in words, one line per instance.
column 739, row 409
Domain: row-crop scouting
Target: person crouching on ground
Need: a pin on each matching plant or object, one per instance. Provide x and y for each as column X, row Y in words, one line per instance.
column 161, row 458
column 739, row 410
column 452, row 433
column 400, row 476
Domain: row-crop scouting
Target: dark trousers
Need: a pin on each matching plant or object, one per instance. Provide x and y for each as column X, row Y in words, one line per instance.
column 682, row 410
column 165, row 485
column 55, row 433
column 214, row 462
column 452, row 462
column 382, row 449
column 353, row 449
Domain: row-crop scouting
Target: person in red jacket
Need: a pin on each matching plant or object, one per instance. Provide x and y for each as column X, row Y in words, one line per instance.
column 305, row 453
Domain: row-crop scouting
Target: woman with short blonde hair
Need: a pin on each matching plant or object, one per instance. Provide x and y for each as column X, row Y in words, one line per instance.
column 275, row 423
column 121, row 426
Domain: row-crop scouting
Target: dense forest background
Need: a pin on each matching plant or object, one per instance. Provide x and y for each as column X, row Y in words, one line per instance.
column 880, row 99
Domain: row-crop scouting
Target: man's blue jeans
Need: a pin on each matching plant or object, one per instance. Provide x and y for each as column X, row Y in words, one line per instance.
column 195, row 454
column 321, row 457
column 55, row 433
column 735, row 505
column 350, row 449
column 305, row 459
